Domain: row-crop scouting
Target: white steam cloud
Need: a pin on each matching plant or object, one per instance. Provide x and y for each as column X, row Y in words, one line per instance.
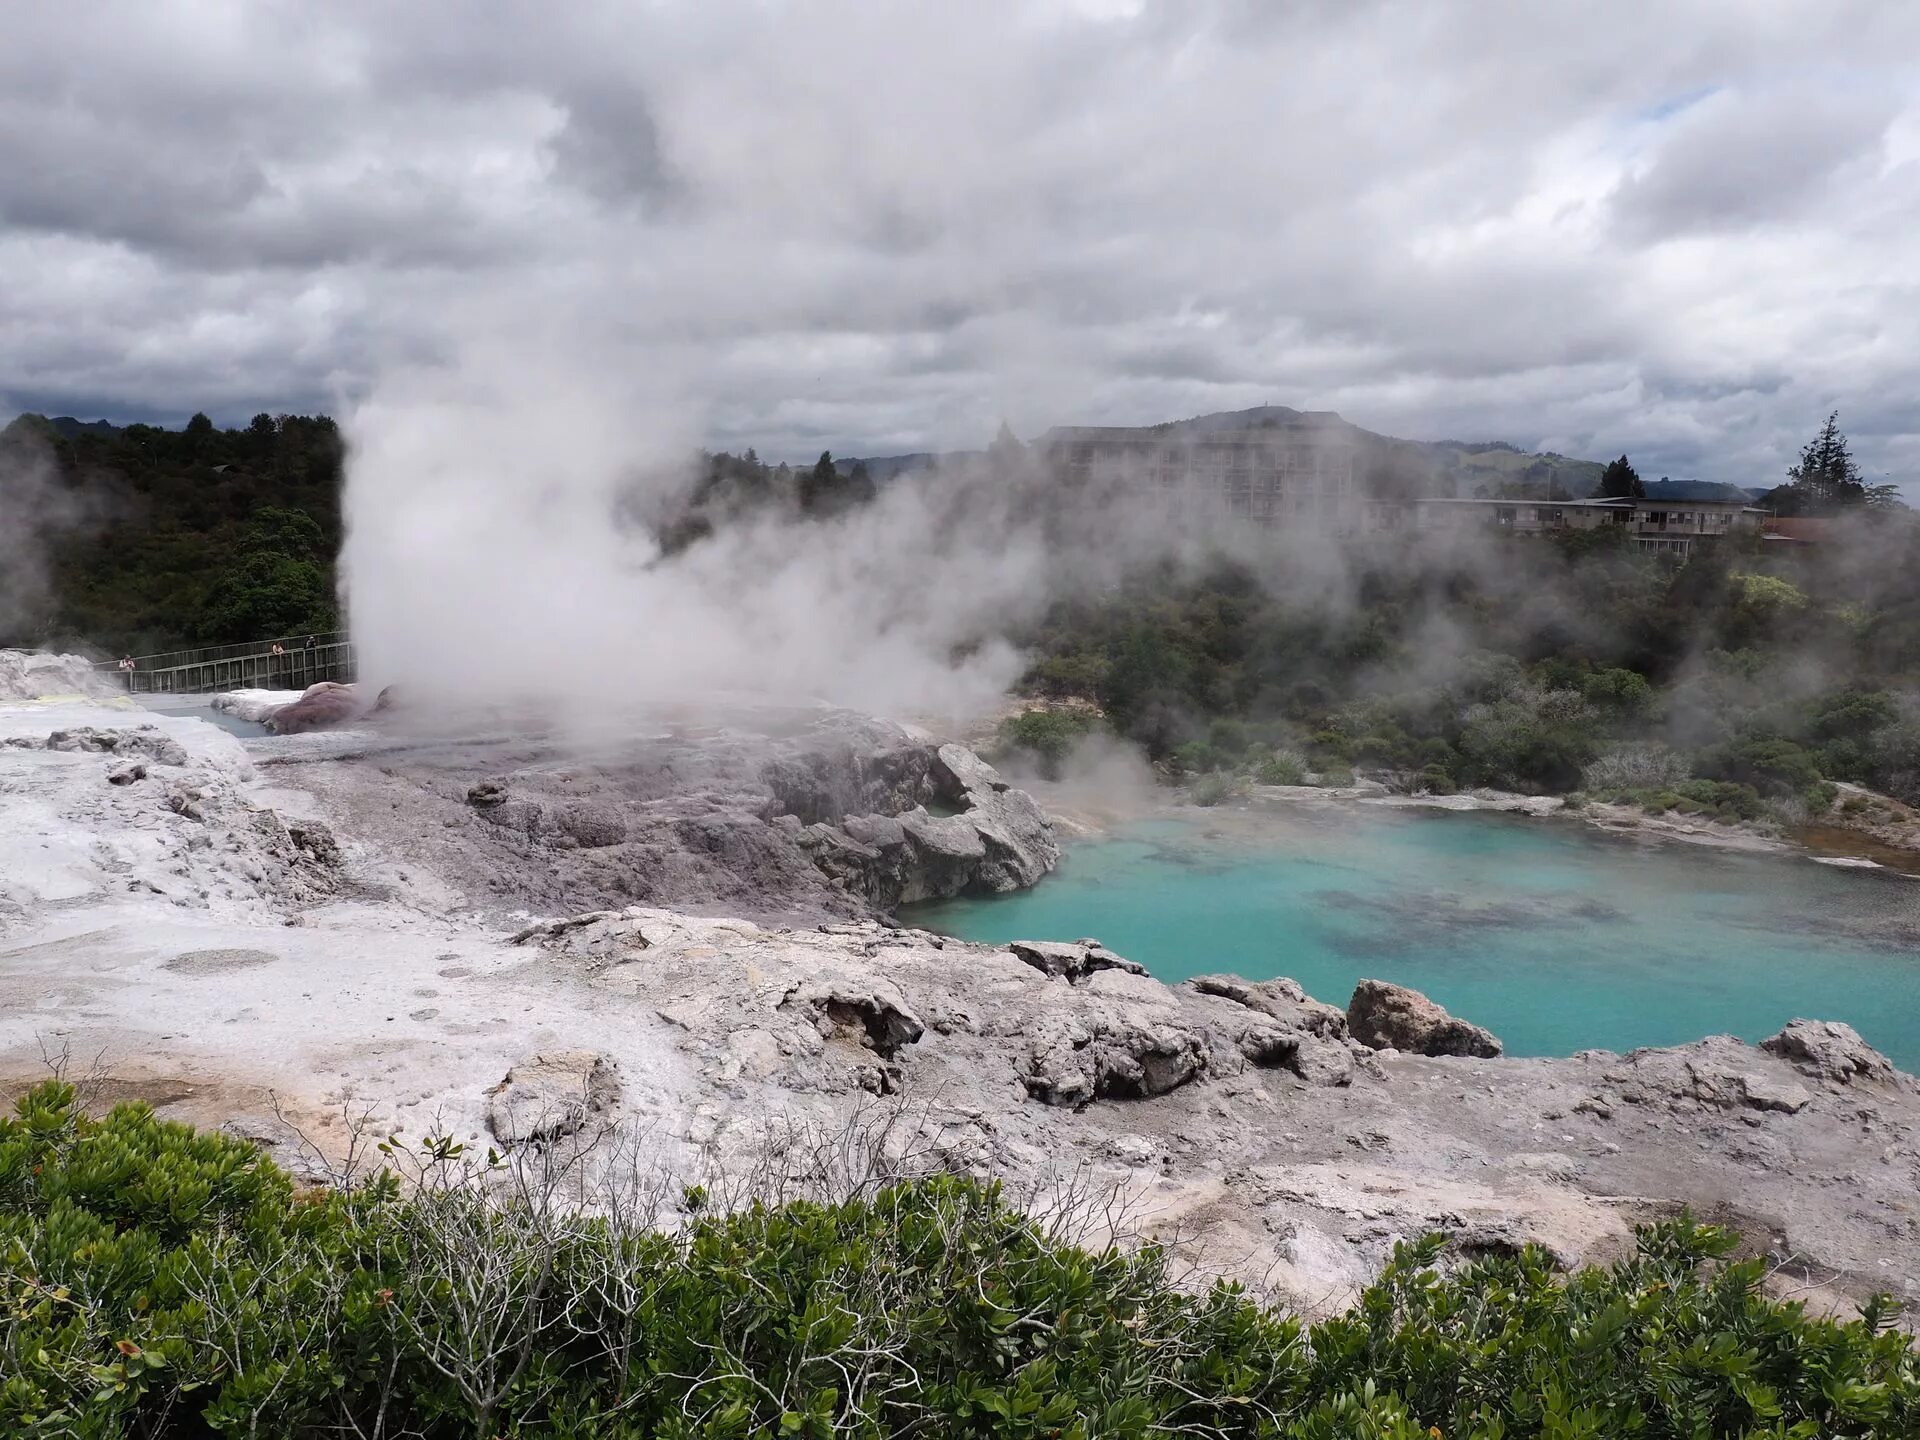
column 483, row 560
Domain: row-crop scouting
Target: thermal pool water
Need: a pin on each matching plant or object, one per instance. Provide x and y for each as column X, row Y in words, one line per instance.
column 1553, row 935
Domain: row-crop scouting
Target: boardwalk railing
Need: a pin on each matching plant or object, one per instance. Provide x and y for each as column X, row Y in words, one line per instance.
column 238, row 667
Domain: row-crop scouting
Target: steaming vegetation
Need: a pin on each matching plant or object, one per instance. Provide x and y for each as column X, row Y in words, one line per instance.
column 157, row 1282
column 1738, row 684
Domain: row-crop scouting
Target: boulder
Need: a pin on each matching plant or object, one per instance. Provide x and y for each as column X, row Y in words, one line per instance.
column 870, row 1011
column 1392, row 1017
column 548, row 1097
column 1829, row 1050
column 1072, row 961
column 1295, row 1032
column 320, row 707
column 1282, row 998
column 1720, row 1085
column 1074, row 1060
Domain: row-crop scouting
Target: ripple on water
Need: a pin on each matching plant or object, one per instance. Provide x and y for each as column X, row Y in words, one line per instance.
column 1555, row 936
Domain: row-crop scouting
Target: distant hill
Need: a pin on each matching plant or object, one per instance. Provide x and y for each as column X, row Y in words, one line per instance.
column 1489, row 469
column 885, row 467
column 69, row 427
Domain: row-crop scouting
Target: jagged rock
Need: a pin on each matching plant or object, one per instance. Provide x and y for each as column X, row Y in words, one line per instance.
column 1076, row 1059
column 1282, row 998
column 143, row 740
column 1392, row 1017
column 1072, row 961
column 1018, row 840
column 126, row 774
column 869, row 1010
column 1830, row 1050
column 546, row 1097
column 1304, row 1036
column 486, row 794
column 1725, row 1088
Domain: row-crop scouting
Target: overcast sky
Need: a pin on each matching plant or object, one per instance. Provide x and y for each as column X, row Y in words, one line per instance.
column 1686, row 229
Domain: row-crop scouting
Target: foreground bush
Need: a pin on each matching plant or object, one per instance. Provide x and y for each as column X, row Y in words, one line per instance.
column 157, row 1282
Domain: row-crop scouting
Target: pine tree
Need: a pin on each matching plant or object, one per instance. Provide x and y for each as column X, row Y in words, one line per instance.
column 1620, row 481
column 818, row 484
column 1827, row 477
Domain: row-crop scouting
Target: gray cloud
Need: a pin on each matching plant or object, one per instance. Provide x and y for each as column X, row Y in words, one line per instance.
column 1681, row 231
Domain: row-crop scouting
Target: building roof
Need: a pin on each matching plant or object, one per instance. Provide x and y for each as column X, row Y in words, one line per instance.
column 1611, row 503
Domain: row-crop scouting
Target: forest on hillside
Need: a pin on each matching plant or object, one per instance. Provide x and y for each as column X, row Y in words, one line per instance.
column 138, row 538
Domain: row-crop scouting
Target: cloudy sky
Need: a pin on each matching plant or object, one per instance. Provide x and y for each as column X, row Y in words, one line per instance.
column 1685, row 229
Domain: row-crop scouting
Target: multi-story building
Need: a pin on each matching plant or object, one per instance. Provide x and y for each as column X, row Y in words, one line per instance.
column 1301, row 472
column 1674, row 526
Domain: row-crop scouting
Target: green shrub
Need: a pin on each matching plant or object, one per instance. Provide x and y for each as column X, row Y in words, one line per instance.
column 1211, row 789
column 1048, row 736
column 1435, row 781
column 1769, row 764
column 1281, row 768
column 1335, row 777
column 163, row 1284
column 1196, row 757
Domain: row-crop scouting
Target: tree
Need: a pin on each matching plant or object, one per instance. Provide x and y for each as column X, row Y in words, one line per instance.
column 818, row 484
column 1827, row 479
column 1620, row 481
column 860, row 488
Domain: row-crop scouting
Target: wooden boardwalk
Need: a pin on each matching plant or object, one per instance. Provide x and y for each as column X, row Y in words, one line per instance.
column 253, row 666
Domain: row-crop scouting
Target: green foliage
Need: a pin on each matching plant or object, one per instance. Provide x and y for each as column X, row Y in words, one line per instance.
column 1047, row 737
column 1282, row 767
column 1620, row 481
column 1717, row 800
column 1769, row 764
column 172, row 516
column 159, row 1283
column 1213, row 789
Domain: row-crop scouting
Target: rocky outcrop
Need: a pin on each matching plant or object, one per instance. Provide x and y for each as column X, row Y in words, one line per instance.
column 1829, row 1050
column 1309, row 1037
column 1392, row 1017
column 40, row 674
column 1073, row 961
column 142, row 741
column 324, row 706
column 830, row 816
column 550, row 1096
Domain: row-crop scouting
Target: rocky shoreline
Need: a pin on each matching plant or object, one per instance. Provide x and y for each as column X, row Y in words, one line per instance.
column 285, row 935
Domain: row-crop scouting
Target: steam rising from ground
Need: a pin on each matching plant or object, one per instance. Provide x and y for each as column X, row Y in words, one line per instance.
column 485, row 557
column 484, row 560
column 35, row 509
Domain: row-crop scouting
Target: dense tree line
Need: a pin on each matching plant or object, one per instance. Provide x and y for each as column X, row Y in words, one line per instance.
column 176, row 537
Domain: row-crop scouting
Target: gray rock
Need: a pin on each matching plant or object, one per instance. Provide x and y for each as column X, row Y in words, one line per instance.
column 142, row 740
column 1392, row 1017
column 1829, row 1050
column 1767, row 1092
column 547, row 1097
column 870, row 1011
column 1074, row 1060
column 1072, row 961
column 1282, row 998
